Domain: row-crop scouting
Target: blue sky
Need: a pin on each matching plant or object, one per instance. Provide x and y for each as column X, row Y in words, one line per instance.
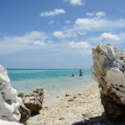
column 58, row 33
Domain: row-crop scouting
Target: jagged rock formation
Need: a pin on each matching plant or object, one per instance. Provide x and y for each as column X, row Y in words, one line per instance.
column 109, row 71
column 34, row 100
column 9, row 102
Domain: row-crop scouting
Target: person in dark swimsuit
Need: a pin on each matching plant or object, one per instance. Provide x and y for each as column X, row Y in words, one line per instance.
column 81, row 72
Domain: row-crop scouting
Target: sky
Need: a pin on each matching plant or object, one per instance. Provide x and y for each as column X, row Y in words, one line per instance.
column 58, row 34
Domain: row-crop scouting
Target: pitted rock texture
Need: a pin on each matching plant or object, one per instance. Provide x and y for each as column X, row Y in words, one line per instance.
column 34, row 100
column 21, row 95
column 9, row 102
column 109, row 71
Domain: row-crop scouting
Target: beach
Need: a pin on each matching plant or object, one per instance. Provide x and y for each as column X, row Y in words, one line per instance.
column 53, row 81
column 62, row 62
column 70, row 107
column 67, row 100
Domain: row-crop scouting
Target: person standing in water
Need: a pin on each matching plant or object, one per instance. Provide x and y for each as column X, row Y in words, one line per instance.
column 81, row 72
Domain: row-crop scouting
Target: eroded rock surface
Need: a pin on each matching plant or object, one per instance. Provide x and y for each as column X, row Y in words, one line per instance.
column 34, row 100
column 21, row 95
column 109, row 71
column 9, row 102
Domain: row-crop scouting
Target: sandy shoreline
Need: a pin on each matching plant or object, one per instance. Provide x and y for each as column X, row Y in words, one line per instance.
column 80, row 103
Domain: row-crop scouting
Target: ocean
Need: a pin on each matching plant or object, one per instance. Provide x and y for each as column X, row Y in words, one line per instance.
column 53, row 81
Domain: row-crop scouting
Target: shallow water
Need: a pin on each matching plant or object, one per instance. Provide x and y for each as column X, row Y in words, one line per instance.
column 52, row 80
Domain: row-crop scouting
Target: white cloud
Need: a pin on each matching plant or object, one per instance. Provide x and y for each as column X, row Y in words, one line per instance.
column 60, row 34
column 83, row 48
column 53, row 13
column 26, row 42
column 90, row 14
column 83, row 21
column 79, row 45
column 81, row 33
column 45, row 42
column 40, row 42
column 87, row 23
column 100, row 14
column 28, row 38
column 37, row 42
column 109, row 37
column 51, row 22
column 67, row 21
column 98, row 24
column 75, row 2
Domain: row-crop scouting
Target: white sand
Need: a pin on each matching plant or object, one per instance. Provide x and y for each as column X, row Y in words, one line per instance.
column 82, row 103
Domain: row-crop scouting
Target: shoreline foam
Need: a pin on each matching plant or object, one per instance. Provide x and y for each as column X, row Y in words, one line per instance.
column 79, row 104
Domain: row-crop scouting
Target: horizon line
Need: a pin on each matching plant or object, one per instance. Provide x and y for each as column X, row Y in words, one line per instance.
column 47, row 68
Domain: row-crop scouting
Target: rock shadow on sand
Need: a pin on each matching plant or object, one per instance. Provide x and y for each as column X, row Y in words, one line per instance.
column 99, row 120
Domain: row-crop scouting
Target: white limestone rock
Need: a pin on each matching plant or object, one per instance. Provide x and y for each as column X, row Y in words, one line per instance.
column 9, row 102
column 2, row 122
column 110, row 62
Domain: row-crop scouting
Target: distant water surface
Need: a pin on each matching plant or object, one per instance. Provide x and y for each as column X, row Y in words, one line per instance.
column 52, row 80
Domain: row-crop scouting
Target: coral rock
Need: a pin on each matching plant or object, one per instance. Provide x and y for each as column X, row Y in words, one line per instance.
column 21, row 95
column 9, row 102
column 34, row 100
column 109, row 71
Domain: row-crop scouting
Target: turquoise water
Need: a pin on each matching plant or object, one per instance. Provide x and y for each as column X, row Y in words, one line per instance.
column 52, row 80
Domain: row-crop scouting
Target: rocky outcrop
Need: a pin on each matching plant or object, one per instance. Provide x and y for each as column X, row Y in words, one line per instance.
column 34, row 100
column 9, row 102
column 109, row 71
